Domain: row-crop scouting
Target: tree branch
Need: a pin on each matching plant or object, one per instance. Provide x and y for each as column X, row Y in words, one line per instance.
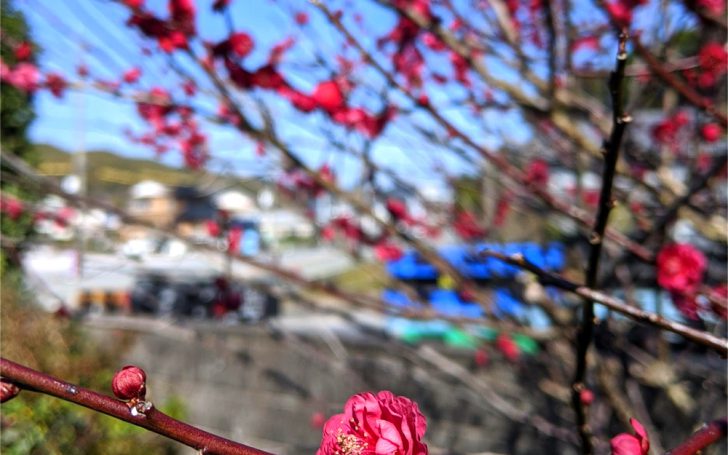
column 500, row 162
column 153, row 419
column 709, row 434
column 684, row 89
column 620, row 120
column 718, row 344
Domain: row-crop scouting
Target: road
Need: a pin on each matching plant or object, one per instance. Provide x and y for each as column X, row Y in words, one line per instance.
column 53, row 273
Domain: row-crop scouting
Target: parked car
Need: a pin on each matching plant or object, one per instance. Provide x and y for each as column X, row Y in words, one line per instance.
column 203, row 297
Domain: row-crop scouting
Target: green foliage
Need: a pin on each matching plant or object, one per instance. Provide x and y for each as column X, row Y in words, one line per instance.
column 46, row 425
column 366, row 277
column 16, row 114
column 111, row 175
column 39, row 424
column 16, row 109
column 469, row 194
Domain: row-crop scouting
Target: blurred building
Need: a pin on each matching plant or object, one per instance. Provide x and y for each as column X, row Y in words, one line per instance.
column 152, row 202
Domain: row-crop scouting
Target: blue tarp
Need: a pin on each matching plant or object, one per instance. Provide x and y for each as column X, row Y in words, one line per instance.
column 468, row 261
column 506, row 304
column 449, row 303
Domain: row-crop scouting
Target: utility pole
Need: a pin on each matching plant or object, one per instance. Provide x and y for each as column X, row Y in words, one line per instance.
column 488, row 194
column 80, row 171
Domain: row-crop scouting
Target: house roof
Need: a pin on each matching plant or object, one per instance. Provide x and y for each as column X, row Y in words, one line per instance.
column 148, row 189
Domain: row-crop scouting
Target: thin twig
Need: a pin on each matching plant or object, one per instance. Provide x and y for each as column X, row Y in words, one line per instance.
column 267, row 134
column 498, row 160
column 684, row 89
column 153, row 419
column 718, row 344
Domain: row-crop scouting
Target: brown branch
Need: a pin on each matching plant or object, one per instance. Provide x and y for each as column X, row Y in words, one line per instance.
column 550, row 20
column 586, row 331
column 718, row 344
column 153, row 419
column 709, row 434
column 637, row 70
column 535, row 108
column 695, row 98
column 495, row 400
column 499, row 161
column 563, row 98
column 706, row 16
column 696, row 186
column 267, row 134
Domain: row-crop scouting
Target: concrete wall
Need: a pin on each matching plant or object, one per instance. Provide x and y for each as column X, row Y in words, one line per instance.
column 261, row 388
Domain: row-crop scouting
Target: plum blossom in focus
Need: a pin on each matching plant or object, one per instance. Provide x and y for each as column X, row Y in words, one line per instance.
column 381, row 424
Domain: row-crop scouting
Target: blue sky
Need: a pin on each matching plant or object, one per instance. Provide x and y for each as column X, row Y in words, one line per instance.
column 93, row 31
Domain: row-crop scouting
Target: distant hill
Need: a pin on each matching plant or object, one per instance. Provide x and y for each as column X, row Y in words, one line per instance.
column 110, row 175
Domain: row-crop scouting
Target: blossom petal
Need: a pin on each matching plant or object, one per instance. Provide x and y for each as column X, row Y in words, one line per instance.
column 390, row 440
column 625, row 444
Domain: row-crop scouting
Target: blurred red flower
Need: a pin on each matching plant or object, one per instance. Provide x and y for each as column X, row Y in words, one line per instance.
column 715, row 7
column 56, row 84
column 508, row 347
column 667, row 130
column 710, row 132
column 587, row 397
column 24, row 76
column 537, row 172
column 132, row 75
column 23, row 51
column 467, row 227
column 680, row 268
column 11, row 207
column 713, row 58
column 133, row 4
column 481, row 358
column 627, row 444
column 328, row 96
column 301, row 18
column 386, row 252
column 213, row 229
column 234, row 236
column 240, row 44
column 687, row 305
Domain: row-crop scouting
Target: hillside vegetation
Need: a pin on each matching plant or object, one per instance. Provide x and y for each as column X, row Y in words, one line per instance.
column 110, row 175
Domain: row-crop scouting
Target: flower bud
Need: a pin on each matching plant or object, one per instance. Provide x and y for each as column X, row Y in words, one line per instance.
column 586, row 396
column 8, row 391
column 129, row 383
column 481, row 358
